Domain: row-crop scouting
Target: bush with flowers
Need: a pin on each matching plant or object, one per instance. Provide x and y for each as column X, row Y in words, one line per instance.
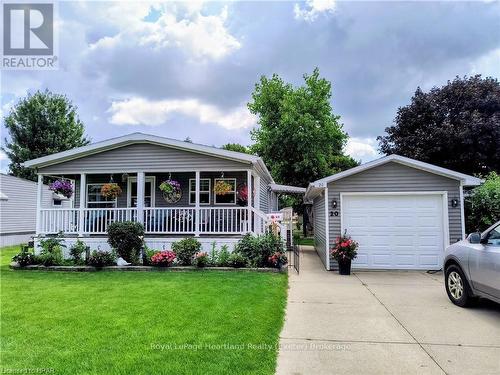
column 344, row 249
column 200, row 259
column 163, row 258
column 63, row 187
column 278, row 259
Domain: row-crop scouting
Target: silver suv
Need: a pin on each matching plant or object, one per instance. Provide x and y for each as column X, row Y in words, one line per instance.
column 472, row 267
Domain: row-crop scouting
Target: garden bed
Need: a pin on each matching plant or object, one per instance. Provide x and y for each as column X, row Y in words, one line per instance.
column 38, row 267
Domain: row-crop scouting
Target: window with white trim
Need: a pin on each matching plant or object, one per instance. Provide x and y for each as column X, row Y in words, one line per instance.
column 96, row 200
column 228, row 198
column 204, row 191
column 149, row 191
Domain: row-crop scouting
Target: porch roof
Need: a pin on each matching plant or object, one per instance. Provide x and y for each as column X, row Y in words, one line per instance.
column 136, row 138
column 287, row 189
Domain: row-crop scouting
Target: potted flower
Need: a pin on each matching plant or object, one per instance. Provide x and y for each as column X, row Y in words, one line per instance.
column 63, row 187
column 171, row 190
column 163, row 258
column 278, row 259
column 222, row 187
column 344, row 251
column 111, row 190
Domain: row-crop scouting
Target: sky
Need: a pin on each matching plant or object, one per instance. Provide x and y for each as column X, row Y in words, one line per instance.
column 188, row 69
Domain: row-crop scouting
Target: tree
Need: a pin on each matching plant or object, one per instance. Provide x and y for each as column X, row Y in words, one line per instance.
column 299, row 138
column 41, row 124
column 236, row 147
column 483, row 204
column 456, row 126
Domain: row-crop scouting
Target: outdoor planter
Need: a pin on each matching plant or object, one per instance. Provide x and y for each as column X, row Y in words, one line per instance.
column 345, row 267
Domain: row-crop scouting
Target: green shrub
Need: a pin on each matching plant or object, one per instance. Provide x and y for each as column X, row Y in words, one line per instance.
column 258, row 249
column 483, row 206
column 100, row 258
column 148, row 253
column 51, row 253
column 200, row 259
column 213, row 256
column 223, row 256
column 24, row 257
column 76, row 251
column 237, row 260
column 126, row 238
column 185, row 250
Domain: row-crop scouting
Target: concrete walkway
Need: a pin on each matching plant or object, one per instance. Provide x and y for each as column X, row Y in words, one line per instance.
column 383, row 323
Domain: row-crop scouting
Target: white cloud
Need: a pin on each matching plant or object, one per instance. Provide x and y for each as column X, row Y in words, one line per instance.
column 488, row 64
column 313, row 9
column 183, row 27
column 139, row 111
column 362, row 148
column 3, row 156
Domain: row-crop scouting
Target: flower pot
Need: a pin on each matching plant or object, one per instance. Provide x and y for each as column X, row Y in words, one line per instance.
column 345, row 267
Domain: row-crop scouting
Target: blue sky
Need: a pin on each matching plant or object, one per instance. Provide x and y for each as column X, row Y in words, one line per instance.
column 188, row 69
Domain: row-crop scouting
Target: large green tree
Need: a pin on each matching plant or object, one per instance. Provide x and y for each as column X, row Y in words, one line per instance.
column 236, row 147
column 456, row 126
column 298, row 137
column 41, row 124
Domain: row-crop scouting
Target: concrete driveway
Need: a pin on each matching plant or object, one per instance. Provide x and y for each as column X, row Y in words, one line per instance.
column 383, row 323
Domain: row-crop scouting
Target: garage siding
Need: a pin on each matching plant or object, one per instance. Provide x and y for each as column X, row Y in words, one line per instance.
column 394, row 177
column 319, row 221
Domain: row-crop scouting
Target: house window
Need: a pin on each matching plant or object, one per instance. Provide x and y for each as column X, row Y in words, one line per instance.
column 230, row 197
column 204, row 191
column 96, row 200
column 56, row 202
column 149, row 191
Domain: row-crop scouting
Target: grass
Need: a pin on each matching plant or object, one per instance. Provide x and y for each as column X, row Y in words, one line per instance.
column 307, row 241
column 140, row 322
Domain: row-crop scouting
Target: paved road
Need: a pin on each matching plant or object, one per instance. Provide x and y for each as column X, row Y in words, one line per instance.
column 383, row 323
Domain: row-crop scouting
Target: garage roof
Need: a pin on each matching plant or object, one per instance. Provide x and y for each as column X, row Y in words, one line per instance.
column 466, row 180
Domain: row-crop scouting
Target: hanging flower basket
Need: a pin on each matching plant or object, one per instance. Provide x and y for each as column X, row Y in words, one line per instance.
column 242, row 195
column 222, row 188
column 171, row 190
column 111, row 190
column 63, row 187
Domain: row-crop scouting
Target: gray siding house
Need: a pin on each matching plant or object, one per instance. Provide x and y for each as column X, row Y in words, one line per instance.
column 402, row 212
column 139, row 163
column 18, row 208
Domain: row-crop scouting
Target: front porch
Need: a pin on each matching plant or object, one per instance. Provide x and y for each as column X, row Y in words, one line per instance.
column 198, row 212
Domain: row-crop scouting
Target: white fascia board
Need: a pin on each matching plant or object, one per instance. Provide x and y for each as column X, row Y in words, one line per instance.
column 138, row 138
column 466, row 179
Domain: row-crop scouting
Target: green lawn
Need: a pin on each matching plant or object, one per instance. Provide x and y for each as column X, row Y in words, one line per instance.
column 140, row 322
column 307, row 241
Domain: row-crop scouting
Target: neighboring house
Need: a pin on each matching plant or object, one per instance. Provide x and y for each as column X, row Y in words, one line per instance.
column 18, row 208
column 139, row 163
column 402, row 212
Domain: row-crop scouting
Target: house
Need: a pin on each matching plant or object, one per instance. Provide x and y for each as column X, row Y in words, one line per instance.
column 402, row 212
column 18, row 208
column 139, row 163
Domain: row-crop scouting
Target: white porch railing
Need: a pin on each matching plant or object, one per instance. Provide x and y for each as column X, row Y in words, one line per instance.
column 96, row 220
column 157, row 220
column 55, row 220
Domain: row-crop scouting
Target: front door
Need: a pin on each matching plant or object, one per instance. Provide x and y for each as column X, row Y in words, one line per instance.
column 484, row 264
column 149, row 192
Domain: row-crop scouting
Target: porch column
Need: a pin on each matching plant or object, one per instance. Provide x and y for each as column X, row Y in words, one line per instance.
column 197, row 204
column 258, row 227
column 39, row 193
column 140, row 197
column 249, row 200
column 83, row 196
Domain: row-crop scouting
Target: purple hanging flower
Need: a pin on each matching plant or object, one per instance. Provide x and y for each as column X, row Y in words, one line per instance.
column 63, row 187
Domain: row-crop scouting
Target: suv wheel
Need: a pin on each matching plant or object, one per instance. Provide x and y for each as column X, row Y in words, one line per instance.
column 456, row 286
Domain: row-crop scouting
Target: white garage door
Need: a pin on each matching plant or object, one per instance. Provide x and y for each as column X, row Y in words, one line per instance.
column 395, row 231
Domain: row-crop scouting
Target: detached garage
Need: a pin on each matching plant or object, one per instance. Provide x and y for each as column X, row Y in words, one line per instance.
column 402, row 212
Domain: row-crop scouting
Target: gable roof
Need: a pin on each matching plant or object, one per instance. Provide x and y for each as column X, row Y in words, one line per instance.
column 135, row 138
column 467, row 180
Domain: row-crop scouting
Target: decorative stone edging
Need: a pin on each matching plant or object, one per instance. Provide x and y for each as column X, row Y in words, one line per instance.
column 37, row 267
